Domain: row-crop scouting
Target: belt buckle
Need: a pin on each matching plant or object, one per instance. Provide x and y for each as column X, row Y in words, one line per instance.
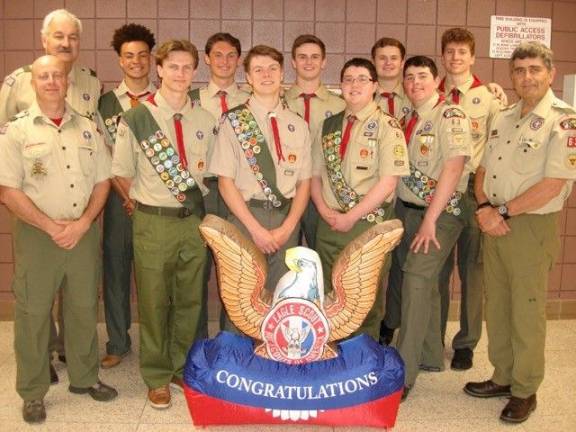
column 184, row 212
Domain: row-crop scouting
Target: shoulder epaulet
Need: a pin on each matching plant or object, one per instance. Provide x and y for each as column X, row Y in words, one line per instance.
column 27, row 68
column 508, row 107
column 559, row 104
column 21, row 114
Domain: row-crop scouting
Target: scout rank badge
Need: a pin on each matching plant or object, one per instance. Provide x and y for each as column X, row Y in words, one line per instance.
column 38, row 168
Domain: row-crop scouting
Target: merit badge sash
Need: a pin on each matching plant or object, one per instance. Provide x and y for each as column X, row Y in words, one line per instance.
column 164, row 158
column 424, row 188
column 256, row 152
column 345, row 195
column 194, row 96
column 110, row 109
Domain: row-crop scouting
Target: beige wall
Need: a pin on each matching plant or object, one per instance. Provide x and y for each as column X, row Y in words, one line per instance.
column 349, row 28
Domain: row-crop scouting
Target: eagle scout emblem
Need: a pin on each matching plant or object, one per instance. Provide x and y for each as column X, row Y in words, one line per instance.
column 291, row 128
column 38, row 168
column 86, row 97
column 571, row 142
column 536, row 123
column 199, row 135
column 295, row 331
column 476, row 100
column 292, row 158
column 568, row 124
column 87, row 135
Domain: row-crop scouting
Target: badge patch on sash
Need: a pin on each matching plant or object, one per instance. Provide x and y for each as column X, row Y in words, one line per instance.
column 536, row 123
column 568, row 124
column 453, row 113
column 571, row 141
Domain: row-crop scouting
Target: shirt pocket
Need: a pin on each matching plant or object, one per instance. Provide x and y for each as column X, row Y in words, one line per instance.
column 293, row 154
column 528, row 156
column 478, row 127
column 37, row 159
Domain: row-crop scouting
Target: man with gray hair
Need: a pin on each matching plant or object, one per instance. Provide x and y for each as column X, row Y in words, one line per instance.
column 55, row 182
column 61, row 31
column 526, row 174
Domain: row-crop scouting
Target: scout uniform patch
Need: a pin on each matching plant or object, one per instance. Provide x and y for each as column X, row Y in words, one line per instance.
column 568, row 124
column 256, row 152
column 110, row 109
column 453, row 113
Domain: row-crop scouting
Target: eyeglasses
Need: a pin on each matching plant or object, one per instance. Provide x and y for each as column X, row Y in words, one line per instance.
column 362, row 79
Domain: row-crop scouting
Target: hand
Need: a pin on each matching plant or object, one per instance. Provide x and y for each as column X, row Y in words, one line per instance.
column 499, row 230
column 426, row 234
column 488, row 218
column 328, row 215
column 73, row 231
column 342, row 222
column 129, row 206
column 264, row 240
column 498, row 93
column 281, row 235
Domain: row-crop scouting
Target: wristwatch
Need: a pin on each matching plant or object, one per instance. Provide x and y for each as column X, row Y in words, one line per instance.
column 503, row 211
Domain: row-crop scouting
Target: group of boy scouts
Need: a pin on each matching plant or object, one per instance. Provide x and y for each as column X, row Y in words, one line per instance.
column 446, row 156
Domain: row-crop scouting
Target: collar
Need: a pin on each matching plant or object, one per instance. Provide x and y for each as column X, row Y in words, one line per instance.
column 295, row 91
column 364, row 113
column 212, row 89
column 471, row 82
column 260, row 110
column 542, row 109
column 397, row 90
column 36, row 113
column 122, row 89
column 429, row 105
column 166, row 110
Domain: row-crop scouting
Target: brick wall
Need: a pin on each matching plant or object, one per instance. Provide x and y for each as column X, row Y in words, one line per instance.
column 349, row 28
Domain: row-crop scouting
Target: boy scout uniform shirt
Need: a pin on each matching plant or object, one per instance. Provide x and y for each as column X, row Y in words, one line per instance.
column 17, row 93
column 480, row 105
column 441, row 133
column 402, row 105
column 56, row 167
column 130, row 161
column 522, row 151
column 228, row 159
column 121, row 93
column 325, row 104
column 376, row 149
column 210, row 99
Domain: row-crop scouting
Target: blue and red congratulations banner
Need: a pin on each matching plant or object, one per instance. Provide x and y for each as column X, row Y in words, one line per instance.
column 226, row 383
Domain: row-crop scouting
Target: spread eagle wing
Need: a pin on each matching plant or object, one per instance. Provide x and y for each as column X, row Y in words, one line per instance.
column 241, row 271
column 355, row 277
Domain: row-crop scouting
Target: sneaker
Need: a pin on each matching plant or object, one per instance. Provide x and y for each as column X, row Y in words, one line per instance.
column 159, row 397
column 33, row 411
column 99, row 392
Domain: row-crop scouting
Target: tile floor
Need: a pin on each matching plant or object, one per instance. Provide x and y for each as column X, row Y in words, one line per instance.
column 436, row 404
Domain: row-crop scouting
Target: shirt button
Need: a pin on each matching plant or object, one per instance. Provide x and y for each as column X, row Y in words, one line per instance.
column 68, row 166
column 492, row 177
column 517, row 126
column 72, row 186
column 63, row 147
column 74, row 205
column 494, row 195
column 499, row 157
column 508, row 142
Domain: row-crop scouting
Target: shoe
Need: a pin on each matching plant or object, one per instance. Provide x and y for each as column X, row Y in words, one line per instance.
column 53, row 375
column 111, row 360
column 486, row 389
column 177, row 384
column 99, row 392
column 430, row 368
column 405, row 393
column 62, row 358
column 386, row 334
column 159, row 398
column 462, row 359
column 33, row 411
column 518, row 410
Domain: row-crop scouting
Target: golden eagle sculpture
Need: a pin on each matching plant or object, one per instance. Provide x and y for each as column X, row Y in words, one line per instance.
column 242, row 270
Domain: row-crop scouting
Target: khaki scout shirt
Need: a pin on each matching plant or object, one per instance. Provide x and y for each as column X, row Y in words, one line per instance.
column 121, row 93
column 441, row 133
column 324, row 105
column 210, row 100
column 480, row 105
column 56, row 167
column 402, row 105
column 131, row 162
column 376, row 149
column 17, row 93
column 228, row 158
column 522, row 151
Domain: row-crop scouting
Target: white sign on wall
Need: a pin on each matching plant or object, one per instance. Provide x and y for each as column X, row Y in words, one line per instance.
column 507, row 32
